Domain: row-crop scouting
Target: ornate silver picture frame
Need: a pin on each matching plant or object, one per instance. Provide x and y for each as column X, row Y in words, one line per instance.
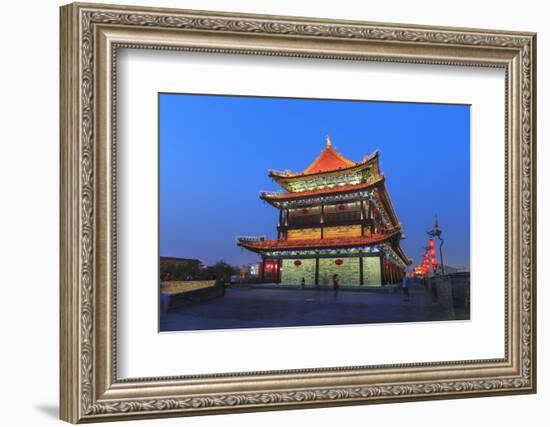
column 90, row 387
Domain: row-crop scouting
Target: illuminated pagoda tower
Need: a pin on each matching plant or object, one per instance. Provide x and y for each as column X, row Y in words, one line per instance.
column 335, row 217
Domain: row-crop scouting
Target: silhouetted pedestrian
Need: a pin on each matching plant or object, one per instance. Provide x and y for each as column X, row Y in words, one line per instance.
column 335, row 284
column 303, row 283
column 405, row 288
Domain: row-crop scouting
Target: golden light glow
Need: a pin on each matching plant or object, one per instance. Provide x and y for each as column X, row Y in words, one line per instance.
column 342, row 231
column 304, row 234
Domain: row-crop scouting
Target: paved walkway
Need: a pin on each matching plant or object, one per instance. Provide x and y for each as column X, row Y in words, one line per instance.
column 261, row 308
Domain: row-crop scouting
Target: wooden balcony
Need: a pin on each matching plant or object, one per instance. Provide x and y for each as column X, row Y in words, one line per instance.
column 365, row 222
column 337, row 218
column 305, row 221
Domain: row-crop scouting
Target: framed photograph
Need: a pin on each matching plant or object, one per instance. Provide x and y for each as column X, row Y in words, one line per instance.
column 266, row 212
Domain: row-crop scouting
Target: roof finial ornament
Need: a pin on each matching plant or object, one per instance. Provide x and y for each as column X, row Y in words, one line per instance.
column 329, row 143
column 436, row 223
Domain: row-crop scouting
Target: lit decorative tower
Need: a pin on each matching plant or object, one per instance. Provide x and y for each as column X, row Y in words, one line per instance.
column 335, row 217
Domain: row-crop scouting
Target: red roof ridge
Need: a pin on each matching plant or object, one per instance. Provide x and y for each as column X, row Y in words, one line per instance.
column 329, row 159
column 342, row 163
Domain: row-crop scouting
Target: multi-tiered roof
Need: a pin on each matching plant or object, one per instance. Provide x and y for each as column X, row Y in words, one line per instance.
column 329, row 180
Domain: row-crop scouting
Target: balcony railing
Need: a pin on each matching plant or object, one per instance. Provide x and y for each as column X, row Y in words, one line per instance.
column 250, row 239
column 330, row 219
column 268, row 193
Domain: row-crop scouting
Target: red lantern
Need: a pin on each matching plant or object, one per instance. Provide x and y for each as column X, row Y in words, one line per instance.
column 305, row 211
column 297, row 263
column 342, row 207
column 339, row 261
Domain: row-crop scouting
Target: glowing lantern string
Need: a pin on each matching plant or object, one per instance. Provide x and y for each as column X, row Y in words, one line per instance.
column 429, row 260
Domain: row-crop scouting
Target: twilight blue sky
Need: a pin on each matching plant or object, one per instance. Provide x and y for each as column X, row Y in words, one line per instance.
column 215, row 152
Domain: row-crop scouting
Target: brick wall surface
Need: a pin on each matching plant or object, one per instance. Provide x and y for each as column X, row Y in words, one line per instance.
column 348, row 271
column 292, row 274
column 371, row 271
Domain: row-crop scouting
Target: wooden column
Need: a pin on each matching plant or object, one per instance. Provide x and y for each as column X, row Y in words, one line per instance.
column 382, row 272
column 262, row 270
column 285, row 222
column 279, row 264
column 280, row 224
column 323, row 219
column 361, row 278
column 371, row 219
column 362, row 208
column 317, row 270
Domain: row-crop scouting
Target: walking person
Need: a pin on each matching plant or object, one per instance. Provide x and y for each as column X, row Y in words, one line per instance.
column 303, row 283
column 335, row 284
column 405, row 285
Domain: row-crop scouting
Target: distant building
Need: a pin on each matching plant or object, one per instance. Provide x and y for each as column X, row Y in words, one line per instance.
column 335, row 217
column 255, row 269
column 167, row 260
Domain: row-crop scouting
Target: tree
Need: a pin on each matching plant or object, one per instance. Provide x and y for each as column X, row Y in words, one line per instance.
column 221, row 271
column 180, row 271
